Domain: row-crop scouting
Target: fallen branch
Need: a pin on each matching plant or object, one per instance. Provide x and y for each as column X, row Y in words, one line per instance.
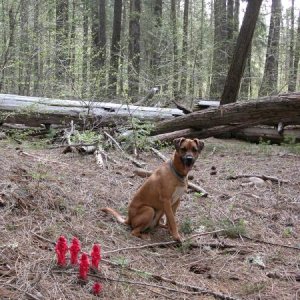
column 133, row 160
column 159, row 244
column 270, row 243
column 194, row 289
column 192, row 186
column 182, row 107
column 30, row 296
column 264, row 177
column 22, row 153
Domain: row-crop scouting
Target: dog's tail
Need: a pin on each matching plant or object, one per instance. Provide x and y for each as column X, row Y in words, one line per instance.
column 111, row 211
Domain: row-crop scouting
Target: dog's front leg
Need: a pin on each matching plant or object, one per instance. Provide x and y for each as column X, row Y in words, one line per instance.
column 171, row 220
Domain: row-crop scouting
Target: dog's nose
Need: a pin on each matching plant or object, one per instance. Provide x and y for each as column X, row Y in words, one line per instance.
column 189, row 160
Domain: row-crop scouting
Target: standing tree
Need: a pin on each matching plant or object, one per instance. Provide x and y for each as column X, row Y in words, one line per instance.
column 241, row 51
column 184, row 47
column 61, row 38
column 296, row 59
column 155, row 59
column 115, row 47
column 175, row 48
column 219, row 64
column 25, row 63
column 134, row 47
column 270, row 78
column 98, row 31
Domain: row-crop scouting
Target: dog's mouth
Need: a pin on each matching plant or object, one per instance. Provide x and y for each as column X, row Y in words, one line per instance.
column 188, row 162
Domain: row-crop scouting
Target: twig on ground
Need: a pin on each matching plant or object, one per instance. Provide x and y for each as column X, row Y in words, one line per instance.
column 22, row 153
column 264, row 177
column 194, row 290
column 30, row 296
column 133, row 160
column 191, row 185
column 162, row 243
column 270, row 243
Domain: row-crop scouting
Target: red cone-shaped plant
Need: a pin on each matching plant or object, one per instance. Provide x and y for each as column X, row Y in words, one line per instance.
column 97, row 288
column 96, row 256
column 61, row 249
column 84, row 266
column 74, row 250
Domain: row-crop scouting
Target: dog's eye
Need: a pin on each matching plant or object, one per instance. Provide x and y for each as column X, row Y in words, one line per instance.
column 183, row 149
column 194, row 149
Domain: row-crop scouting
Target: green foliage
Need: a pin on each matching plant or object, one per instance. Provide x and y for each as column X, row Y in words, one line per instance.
column 87, row 137
column 233, row 230
column 186, row 226
column 139, row 138
column 291, row 144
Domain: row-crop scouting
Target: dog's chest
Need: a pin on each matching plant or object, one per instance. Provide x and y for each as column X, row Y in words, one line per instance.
column 179, row 191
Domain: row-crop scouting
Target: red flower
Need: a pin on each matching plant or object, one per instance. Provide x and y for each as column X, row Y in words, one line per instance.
column 96, row 256
column 84, row 266
column 74, row 250
column 97, row 288
column 61, row 249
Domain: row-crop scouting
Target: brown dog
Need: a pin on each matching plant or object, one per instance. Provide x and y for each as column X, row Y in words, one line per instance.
column 160, row 194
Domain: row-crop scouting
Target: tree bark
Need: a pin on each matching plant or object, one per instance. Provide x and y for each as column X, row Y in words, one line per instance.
column 271, row 109
column 220, row 59
column 134, row 48
column 61, row 38
column 242, row 48
column 115, row 47
column 270, row 78
column 175, row 82
column 184, row 48
column 291, row 50
column 85, row 30
column 155, row 59
column 34, row 111
column 293, row 80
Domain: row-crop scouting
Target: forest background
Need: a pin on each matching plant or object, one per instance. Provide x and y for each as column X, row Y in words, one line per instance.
column 103, row 49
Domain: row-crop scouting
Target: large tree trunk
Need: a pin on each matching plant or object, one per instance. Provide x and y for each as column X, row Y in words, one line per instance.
column 61, row 38
column 184, row 48
column 270, row 78
column 242, row 48
column 293, row 80
column 220, row 59
column 33, row 111
column 175, row 48
column 115, row 47
column 271, row 109
column 134, row 48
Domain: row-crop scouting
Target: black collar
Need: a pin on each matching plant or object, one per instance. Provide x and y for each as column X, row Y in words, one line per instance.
column 175, row 172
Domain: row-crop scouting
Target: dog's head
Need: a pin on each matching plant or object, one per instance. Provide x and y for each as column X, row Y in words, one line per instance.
column 188, row 150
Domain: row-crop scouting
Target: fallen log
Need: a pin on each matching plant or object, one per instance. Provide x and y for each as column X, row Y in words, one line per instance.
column 271, row 110
column 268, row 134
column 34, row 111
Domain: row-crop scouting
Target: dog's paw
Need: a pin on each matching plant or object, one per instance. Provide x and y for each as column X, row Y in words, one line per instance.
column 177, row 237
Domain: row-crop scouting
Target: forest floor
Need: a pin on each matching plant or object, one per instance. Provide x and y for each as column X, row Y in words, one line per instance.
column 47, row 194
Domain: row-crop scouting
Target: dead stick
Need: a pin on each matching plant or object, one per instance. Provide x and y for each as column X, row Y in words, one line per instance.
column 270, row 243
column 133, row 160
column 22, row 291
column 264, row 177
column 191, row 185
column 20, row 152
column 195, row 289
column 162, row 243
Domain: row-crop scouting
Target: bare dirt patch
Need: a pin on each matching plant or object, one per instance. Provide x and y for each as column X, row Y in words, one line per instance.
column 41, row 199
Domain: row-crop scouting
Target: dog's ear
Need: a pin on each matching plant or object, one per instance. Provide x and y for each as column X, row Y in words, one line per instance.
column 178, row 142
column 199, row 143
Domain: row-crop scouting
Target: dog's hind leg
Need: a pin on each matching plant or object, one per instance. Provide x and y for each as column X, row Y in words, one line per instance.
column 143, row 220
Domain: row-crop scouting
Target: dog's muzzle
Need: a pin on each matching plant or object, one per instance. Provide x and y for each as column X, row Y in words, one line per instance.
column 188, row 160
